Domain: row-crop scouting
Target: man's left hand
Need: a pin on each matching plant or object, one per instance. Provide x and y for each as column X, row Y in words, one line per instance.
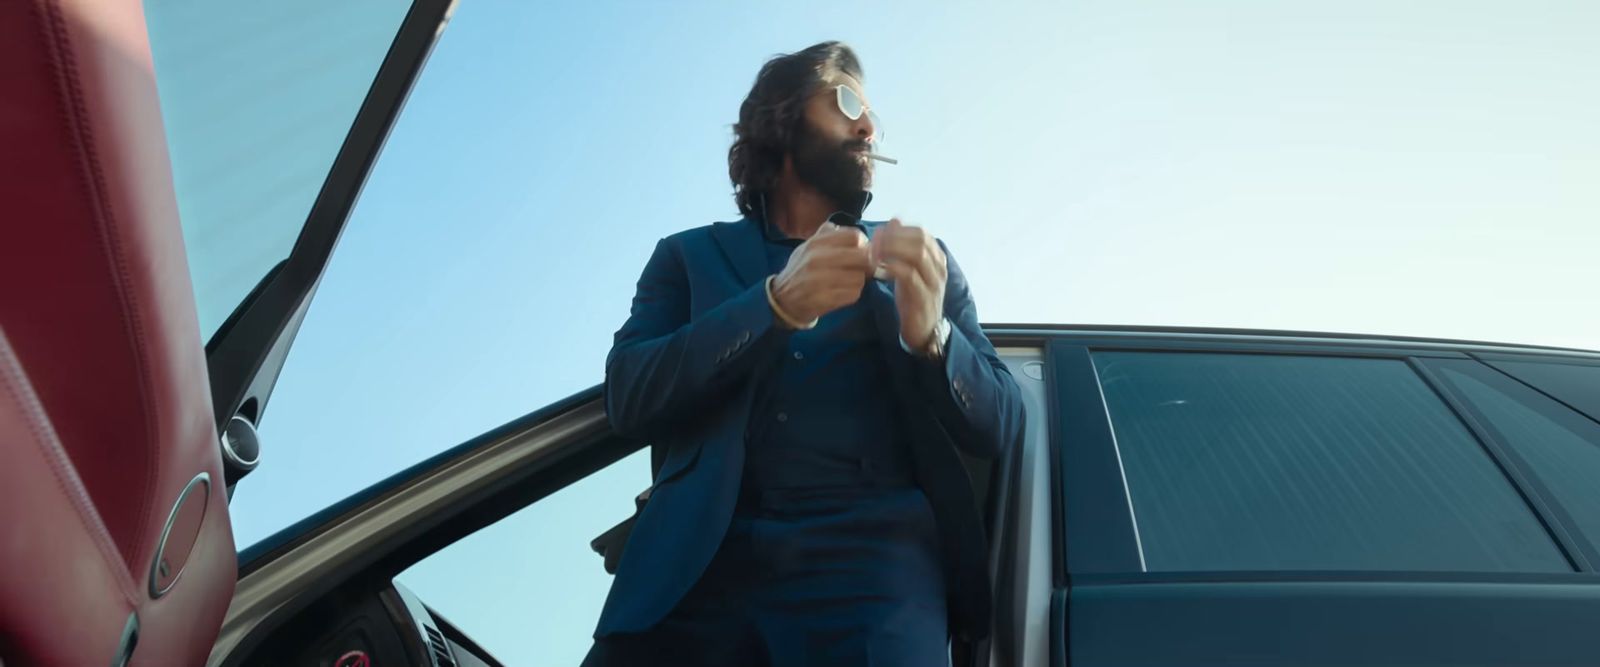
column 916, row 264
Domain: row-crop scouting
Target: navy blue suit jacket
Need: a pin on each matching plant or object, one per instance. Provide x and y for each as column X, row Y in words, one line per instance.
column 681, row 375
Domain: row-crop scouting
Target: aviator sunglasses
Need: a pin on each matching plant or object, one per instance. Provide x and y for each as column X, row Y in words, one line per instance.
column 851, row 105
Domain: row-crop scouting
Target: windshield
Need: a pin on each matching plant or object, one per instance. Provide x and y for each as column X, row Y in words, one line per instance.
column 257, row 97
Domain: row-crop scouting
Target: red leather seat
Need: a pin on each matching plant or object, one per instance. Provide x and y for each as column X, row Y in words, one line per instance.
column 105, row 409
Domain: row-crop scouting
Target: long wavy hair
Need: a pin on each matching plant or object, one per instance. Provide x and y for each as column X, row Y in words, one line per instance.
column 772, row 112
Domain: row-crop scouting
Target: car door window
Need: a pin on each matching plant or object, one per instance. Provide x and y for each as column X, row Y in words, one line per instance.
column 528, row 588
column 257, row 98
column 1561, row 446
column 1278, row 462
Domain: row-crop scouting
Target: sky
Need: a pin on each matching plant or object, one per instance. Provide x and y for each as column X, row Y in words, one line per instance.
column 1425, row 168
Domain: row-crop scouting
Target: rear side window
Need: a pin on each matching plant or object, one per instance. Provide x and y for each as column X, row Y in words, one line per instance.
column 1561, row 446
column 1274, row 462
column 1577, row 385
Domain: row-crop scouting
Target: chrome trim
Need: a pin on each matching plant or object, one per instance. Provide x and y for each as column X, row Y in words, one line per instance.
column 202, row 479
column 1357, row 340
column 129, row 641
column 232, row 454
column 271, row 589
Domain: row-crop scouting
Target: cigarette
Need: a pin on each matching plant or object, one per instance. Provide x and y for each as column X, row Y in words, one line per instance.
column 881, row 158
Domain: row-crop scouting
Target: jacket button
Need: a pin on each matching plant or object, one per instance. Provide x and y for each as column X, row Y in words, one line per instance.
column 783, row 416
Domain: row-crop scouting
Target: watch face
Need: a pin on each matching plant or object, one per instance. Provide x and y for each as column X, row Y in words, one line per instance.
column 936, row 343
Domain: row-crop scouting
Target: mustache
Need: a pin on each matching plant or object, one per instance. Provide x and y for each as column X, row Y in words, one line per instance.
column 858, row 145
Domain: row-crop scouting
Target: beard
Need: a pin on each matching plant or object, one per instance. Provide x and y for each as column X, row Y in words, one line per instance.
column 835, row 170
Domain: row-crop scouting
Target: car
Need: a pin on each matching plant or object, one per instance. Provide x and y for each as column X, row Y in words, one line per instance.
column 1182, row 496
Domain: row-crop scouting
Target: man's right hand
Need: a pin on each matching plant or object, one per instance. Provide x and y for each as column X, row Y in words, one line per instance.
column 824, row 274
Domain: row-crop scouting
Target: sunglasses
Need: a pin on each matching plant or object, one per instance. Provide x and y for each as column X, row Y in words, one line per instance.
column 852, row 106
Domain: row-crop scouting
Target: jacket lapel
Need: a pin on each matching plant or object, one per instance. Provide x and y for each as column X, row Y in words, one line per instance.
column 742, row 245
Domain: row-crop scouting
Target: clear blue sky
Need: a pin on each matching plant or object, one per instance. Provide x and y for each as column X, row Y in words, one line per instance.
column 1422, row 168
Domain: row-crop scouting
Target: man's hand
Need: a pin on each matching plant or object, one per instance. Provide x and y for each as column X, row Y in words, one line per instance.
column 824, row 274
column 916, row 264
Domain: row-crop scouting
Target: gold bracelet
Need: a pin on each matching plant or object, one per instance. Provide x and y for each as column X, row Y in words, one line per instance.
column 772, row 300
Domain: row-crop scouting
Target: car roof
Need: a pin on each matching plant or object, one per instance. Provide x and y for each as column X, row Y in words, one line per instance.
column 1018, row 331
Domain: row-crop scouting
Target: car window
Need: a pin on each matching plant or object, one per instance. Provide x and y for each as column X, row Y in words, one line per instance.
column 256, row 98
column 529, row 588
column 1279, row 462
column 1577, row 385
column 1561, row 446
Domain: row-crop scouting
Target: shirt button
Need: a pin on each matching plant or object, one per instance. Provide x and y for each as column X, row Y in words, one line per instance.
column 799, row 355
column 783, row 416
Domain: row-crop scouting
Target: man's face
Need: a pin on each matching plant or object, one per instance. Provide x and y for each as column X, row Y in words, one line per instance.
column 830, row 150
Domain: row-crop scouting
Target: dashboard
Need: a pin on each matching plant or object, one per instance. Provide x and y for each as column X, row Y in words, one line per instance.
column 369, row 628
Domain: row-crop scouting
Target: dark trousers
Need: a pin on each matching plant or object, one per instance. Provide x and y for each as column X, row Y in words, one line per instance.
column 837, row 577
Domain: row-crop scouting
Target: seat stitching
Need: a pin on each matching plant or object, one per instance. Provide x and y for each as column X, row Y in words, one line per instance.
column 20, row 392
column 90, row 168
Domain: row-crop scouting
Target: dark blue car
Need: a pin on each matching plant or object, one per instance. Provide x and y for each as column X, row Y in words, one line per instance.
column 1183, row 497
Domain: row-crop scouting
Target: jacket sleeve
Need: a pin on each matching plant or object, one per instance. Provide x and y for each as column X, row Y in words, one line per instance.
column 663, row 367
column 971, row 390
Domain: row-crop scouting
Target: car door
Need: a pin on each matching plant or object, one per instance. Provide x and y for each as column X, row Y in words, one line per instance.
column 391, row 571
column 1233, row 502
column 256, row 277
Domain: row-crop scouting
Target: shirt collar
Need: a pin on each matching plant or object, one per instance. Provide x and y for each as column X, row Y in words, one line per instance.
column 843, row 216
column 771, row 231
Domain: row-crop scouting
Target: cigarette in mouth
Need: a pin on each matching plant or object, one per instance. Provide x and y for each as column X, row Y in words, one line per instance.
column 881, row 158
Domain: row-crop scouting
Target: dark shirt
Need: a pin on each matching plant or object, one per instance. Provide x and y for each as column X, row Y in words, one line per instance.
column 826, row 416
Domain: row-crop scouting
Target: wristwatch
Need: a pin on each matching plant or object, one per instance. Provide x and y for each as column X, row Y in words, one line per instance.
column 936, row 344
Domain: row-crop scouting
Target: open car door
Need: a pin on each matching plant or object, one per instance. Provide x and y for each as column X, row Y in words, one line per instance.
column 115, row 482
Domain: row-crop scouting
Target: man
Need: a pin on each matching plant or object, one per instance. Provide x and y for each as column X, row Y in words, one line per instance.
column 810, row 378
